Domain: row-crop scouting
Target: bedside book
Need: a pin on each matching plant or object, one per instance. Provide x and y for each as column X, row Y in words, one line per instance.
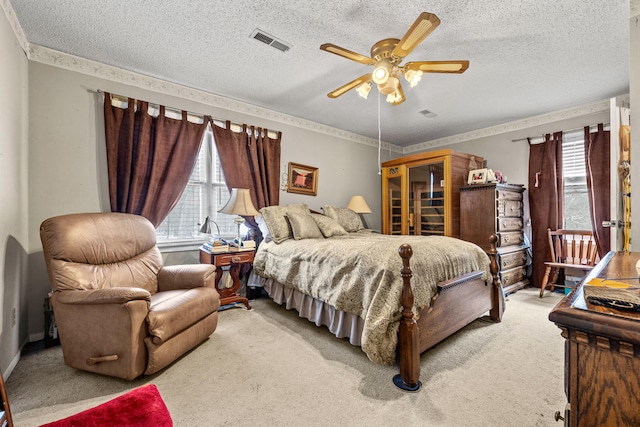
column 234, row 249
column 210, row 249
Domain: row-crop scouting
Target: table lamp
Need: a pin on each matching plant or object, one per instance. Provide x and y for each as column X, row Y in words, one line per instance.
column 239, row 204
column 206, row 228
column 360, row 206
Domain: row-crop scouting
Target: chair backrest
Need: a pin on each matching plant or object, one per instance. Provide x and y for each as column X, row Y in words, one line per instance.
column 101, row 250
column 5, row 411
column 577, row 247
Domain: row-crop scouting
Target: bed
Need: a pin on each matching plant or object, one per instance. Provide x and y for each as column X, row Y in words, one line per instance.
column 395, row 296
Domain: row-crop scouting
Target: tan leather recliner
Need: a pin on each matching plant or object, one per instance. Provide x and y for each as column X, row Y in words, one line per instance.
column 119, row 312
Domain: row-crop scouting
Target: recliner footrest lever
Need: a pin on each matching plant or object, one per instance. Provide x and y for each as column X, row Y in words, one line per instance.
column 93, row 360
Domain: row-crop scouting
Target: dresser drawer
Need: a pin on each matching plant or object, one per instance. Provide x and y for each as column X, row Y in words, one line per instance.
column 510, row 238
column 222, row 260
column 509, row 277
column 508, row 195
column 513, row 259
column 509, row 224
column 511, row 208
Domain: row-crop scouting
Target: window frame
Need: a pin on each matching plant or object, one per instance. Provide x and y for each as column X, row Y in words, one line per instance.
column 214, row 194
column 574, row 142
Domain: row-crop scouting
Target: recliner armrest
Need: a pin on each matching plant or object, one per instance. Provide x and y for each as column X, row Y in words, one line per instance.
column 173, row 277
column 102, row 296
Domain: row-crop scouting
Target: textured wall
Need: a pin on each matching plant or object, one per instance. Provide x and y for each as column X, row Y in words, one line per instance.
column 13, row 195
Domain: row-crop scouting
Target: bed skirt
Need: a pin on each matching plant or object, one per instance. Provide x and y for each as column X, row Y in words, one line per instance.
column 340, row 323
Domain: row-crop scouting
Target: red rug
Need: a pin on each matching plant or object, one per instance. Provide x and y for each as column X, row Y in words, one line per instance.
column 141, row 407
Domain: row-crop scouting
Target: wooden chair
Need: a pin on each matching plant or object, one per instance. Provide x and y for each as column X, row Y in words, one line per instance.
column 5, row 412
column 569, row 248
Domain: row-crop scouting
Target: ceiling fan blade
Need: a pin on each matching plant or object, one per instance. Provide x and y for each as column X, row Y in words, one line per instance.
column 332, row 48
column 345, row 88
column 401, row 99
column 456, row 67
column 421, row 28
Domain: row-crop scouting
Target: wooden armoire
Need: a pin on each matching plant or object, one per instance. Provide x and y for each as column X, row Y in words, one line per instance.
column 421, row 192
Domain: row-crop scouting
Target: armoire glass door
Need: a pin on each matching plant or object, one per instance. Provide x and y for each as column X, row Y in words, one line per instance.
column 395, row 206
column 427, row 199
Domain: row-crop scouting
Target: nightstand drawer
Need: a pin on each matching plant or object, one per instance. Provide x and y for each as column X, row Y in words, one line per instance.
column 223, row 260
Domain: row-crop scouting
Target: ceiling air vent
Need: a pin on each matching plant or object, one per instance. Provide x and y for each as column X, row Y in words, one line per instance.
column 428, row 114
column 270, row 40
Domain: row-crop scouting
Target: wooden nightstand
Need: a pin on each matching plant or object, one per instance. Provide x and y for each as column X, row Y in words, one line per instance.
column 232, row 261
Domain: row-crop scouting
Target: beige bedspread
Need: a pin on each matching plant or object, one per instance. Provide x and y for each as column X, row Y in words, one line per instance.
column 360, row 274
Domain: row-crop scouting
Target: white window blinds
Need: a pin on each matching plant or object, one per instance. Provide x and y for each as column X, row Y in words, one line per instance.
column 205, row 194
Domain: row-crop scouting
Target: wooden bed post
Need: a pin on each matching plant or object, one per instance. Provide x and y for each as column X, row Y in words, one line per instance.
column 497, row 293
column 408, row 351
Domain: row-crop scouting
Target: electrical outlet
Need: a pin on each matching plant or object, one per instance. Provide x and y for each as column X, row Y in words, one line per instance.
column 13, row 317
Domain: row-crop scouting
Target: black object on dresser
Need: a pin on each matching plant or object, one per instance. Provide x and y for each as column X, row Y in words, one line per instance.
column 487, row 209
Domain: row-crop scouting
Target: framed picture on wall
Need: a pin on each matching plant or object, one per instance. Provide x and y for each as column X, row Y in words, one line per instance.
column 303, row 179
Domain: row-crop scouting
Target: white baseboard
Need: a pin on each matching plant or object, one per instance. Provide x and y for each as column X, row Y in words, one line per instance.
column 12, row 365
column 7, row 372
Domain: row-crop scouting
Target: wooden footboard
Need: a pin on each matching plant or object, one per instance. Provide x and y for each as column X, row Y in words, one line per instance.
column 458, row 302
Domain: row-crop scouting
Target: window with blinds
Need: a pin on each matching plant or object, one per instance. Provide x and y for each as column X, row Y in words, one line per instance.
column 205, row 194
column 576, row 198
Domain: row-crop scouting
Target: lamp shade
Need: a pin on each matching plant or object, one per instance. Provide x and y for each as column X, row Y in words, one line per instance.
column 358, row 205
column 206, row 226
column 239, row 203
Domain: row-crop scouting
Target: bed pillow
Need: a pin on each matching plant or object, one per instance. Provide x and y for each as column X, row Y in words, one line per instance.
column 276, row 219
column 348, row 219
column 303, row 226
column 328, row 226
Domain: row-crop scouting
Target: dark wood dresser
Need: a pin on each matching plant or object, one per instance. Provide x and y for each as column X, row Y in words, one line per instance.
column 602, row 351
column 487, row 209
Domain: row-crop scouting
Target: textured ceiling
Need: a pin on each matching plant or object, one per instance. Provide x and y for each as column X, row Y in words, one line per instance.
column 527, row 57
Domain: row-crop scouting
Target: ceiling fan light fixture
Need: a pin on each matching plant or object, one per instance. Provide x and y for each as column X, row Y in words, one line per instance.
column 394, row 97
column 389, row 86
column 380, row 75
column 364, row 89
column 413, row 77
column 386, row 58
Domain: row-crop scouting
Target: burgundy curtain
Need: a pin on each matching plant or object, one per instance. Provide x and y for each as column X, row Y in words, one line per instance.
column 149, row 159
column 250, row 160
column 545, row 198
column 597, row 158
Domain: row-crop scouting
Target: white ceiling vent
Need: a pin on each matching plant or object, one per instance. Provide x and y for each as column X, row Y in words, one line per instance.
column 270, row 40
column 428, row 114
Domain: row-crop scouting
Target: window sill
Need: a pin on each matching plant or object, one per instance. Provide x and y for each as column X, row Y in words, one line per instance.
column 179, row 246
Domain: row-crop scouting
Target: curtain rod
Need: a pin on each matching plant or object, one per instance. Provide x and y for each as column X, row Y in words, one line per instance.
column 606, row 125
column 200, row 117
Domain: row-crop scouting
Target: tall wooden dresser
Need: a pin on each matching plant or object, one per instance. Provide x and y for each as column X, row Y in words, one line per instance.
column 602, row 351
column 421, row 193
column 487, row 209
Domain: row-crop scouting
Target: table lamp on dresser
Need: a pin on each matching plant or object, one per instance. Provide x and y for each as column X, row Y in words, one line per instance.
column 239, row 204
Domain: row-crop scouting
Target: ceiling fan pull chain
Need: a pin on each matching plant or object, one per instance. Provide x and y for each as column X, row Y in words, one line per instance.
column 379, row 139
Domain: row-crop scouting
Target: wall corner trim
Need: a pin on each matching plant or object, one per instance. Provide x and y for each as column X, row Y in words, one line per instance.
column 15, row 24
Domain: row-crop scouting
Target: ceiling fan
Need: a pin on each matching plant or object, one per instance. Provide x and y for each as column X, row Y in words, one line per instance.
column 386, row 56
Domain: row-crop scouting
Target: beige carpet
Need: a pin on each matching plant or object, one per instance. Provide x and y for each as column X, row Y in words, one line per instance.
column 267, row 367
